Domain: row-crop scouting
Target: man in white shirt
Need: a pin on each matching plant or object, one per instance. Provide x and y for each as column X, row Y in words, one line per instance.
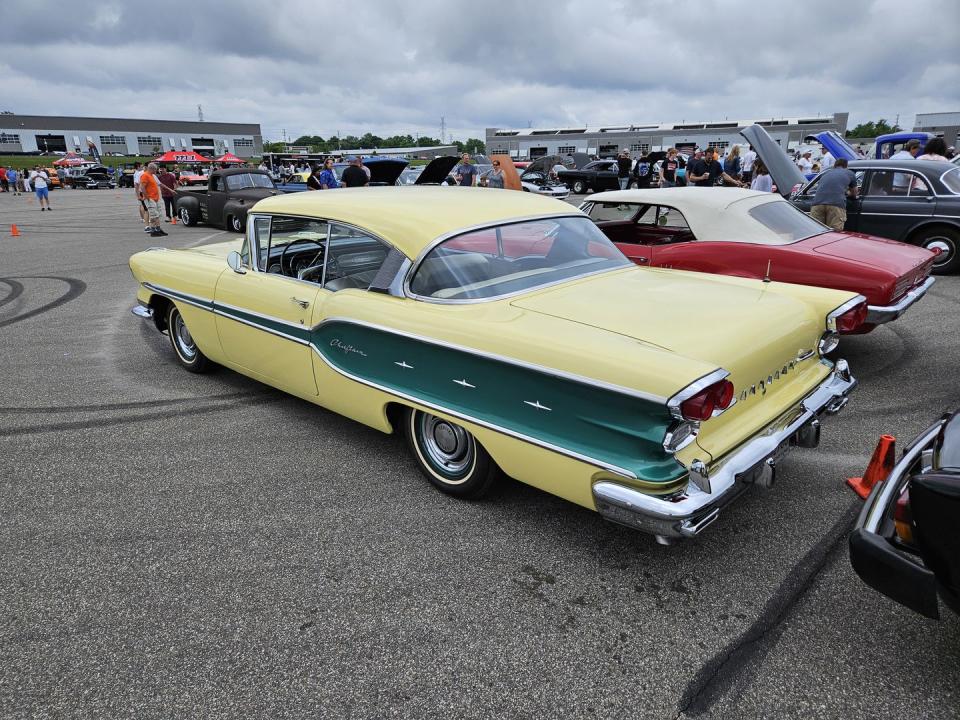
column 827, row 161
column 746, row 168
column 805, row 163
column 901, row 181
column 39, row 178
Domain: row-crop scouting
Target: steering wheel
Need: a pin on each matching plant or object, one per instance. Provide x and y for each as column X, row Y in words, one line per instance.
column 288, row 269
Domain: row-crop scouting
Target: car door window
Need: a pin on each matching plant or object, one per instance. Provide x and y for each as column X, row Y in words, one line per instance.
column 217, row 184
column 353, row 258
column 293, row 244
column 601, row 212
column 919, row 187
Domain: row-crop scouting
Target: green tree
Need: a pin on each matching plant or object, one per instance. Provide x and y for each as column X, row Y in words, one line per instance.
column 427, row 141
column 873, row 129
column 275, row 147
column 472, row 146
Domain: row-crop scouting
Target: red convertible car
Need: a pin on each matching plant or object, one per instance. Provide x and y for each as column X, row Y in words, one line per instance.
column 729, row 231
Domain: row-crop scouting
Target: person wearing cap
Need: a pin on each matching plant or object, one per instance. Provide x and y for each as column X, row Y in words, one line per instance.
column 805, row 163
column 353, row 175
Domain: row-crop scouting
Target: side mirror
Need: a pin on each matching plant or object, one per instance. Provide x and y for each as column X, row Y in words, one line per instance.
column 236, row 262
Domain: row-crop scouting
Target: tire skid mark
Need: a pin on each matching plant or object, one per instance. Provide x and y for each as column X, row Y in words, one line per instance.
column 16, row 290
column 76, row 289
column 134, row 405
column 743, row 655
column 130, row 419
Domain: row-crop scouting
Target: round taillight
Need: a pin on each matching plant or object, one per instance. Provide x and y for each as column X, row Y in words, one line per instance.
column 724, row 394
column 852, row 318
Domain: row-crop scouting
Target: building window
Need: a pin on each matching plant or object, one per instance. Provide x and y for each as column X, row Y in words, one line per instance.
column 113, row 140
column 566, row 149
column 640, row 148
column 149, row 140
column 718, row 145
column 8, row 139
column 243, row 142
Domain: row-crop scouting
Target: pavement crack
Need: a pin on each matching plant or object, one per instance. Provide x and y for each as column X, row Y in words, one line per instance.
column 726, row 666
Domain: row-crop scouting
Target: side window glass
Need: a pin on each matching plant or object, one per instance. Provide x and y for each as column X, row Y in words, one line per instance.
column 672, row 218
column 648, row 216
column 259, row 232
column 612, row 211
column 811, row 189
column 881, row 184
column 353, row 258
column 919, row 187
column 216, row 185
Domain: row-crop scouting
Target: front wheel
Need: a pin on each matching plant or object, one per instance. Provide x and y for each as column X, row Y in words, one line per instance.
column 579, row 187
column 236, row 223
column 945, row 240
column 449, row 456
column 186, row 216
column 184, row 346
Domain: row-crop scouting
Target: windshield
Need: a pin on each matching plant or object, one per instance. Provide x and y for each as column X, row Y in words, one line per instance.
column 951, row 178
column 248, row 180
column 512, row 258
column 786, row 223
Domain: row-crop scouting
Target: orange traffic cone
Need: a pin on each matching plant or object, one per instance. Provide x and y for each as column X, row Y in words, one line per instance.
column 879, row 468
column 173, row 220
column 14, row 231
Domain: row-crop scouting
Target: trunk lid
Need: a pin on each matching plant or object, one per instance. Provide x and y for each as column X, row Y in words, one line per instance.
column 896, row 257
column 766, row 339
column 784, row 173
column 437, row 170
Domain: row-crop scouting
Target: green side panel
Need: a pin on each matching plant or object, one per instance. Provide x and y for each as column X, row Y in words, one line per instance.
column 615, row 428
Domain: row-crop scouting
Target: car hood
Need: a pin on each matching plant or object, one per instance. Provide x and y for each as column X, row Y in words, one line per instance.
column 896, row 257
column 544, row 164
column 437, row 170
column 385, row 171
column 784, row 173
column 836, row 145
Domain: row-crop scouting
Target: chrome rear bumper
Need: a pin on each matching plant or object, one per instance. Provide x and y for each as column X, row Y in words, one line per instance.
column 689, row 512
column 879, row 314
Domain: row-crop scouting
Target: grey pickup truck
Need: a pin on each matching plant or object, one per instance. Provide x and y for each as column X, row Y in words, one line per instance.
column 225, row 201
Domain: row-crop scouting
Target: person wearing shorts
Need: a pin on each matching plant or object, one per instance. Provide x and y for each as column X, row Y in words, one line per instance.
column 150, row 195
column 40, row 178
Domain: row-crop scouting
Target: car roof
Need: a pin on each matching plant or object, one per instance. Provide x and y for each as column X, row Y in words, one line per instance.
column 929, row 166
column 713, row 213
column 410, row 218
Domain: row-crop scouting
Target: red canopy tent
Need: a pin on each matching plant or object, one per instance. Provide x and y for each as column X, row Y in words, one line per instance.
column 182, row 156
column 71, row 160
column 228, row 159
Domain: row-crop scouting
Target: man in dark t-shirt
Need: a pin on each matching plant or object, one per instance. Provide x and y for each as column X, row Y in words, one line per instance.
column 668, row 168
column 707, row 171
column 624, row 165
column 354, row 176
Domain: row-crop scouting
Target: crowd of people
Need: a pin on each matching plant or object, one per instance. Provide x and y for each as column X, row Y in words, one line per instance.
column 36, row 180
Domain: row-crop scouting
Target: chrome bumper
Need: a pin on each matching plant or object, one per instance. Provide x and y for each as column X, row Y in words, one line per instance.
column 879, row 314
column 688, row 513
column 142, row 311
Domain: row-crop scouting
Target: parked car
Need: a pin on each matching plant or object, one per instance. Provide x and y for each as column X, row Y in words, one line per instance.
column 536, row 178
column 913, row 201
column 226, row 200
column 53, row 183
column 906, row 544
column 384, row 171
column 95, row 178
column 760, row 235
column 499, row 331
column 598, row 176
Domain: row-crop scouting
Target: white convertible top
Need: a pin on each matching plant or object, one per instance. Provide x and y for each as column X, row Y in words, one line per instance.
column 713, row 213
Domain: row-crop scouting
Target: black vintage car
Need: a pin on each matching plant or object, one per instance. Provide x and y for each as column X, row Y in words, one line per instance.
column 225, row 201
column 598, row 176
column 907, row 539
column 94, row 178
column 913, row 201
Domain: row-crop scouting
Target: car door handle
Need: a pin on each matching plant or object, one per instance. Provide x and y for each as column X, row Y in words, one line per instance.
column 643, row 260
column 302, row 303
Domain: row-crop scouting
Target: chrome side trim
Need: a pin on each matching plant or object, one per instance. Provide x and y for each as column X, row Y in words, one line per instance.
column 196, row 300
column 271, row 318
column 878, row 314
column 264, row 328
column 483, row 423
column 686, row 514
column 639, row 394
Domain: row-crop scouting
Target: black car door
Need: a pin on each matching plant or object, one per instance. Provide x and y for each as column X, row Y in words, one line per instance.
column 804, row 201
column 216, row 198
column 893, row 202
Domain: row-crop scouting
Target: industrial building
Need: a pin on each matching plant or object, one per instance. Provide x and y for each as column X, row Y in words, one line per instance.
column 607, row 141
column 944, row 124
column 28, row 134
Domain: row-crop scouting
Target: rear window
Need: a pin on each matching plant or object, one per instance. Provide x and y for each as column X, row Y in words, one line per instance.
column 785, row 222
column 951, row 178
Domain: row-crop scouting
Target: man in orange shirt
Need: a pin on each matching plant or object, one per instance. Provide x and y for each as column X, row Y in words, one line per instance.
column 150, row 194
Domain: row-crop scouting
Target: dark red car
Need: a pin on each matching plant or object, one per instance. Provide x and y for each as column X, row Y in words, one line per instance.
column 760, row 235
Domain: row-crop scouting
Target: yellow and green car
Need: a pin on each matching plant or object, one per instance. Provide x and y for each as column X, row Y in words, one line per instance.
column 502, row 332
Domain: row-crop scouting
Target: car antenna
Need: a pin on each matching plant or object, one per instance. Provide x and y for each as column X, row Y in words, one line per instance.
column 766, row 278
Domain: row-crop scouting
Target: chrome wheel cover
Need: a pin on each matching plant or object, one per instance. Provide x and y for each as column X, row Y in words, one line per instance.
column 235, row 222
column 184, row 340
column 448, row 447
column 184, row 216
column 944, row 245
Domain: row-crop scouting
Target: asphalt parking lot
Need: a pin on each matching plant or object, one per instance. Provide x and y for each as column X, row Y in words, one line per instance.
column 176, row 545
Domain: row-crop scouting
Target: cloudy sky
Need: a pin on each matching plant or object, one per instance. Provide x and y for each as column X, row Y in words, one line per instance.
column 307, row 66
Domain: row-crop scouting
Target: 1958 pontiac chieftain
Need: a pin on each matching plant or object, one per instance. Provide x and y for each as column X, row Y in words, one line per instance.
column 502, row 331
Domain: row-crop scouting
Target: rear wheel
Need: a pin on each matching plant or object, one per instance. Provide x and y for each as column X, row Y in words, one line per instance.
column 449, row 456
column 947, row 241
column 183, row 343
column 187, row 217
column 579, row 187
